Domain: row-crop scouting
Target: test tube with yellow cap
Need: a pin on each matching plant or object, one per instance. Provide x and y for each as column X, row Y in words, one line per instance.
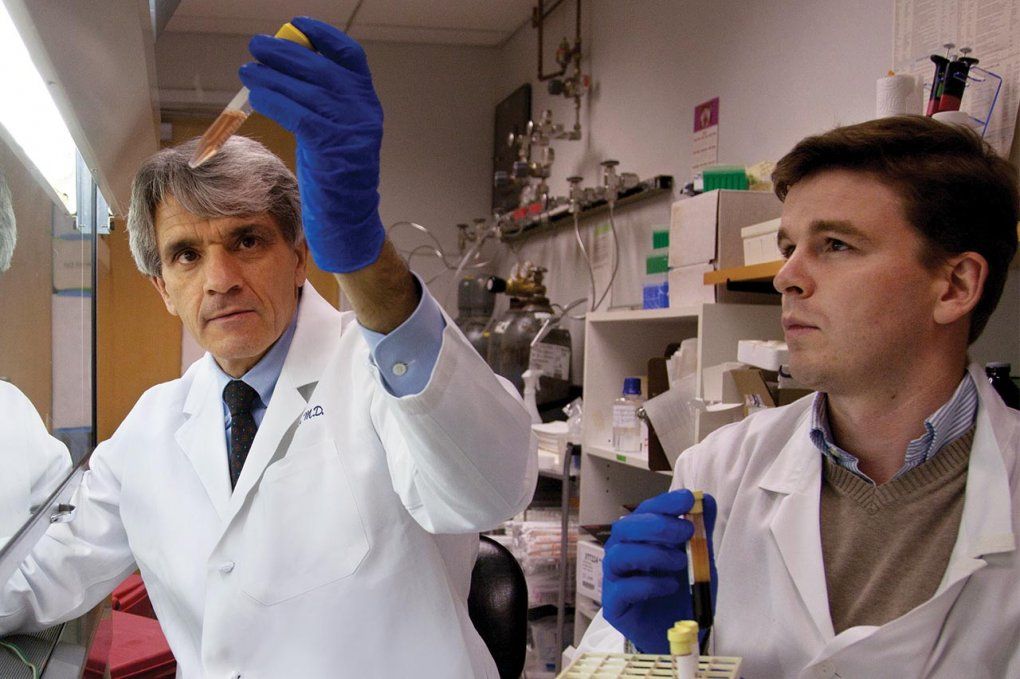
column 683, row 646
column 238, row 110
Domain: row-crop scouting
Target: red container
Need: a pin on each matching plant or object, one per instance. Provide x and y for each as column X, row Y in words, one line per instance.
column 131, row 597
column 138, row 650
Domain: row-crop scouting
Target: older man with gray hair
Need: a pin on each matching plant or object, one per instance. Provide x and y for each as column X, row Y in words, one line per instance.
column 305, row 500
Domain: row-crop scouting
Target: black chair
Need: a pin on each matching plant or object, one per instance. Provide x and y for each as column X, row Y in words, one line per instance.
column 498, row 606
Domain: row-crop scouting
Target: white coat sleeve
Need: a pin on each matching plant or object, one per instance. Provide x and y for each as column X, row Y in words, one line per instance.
column 601, row 637
column 74, row 565
column 43, row 460
column 48, row 460
column 460, row 452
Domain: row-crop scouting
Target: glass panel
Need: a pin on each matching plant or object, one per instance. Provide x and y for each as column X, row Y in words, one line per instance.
column 46, row 274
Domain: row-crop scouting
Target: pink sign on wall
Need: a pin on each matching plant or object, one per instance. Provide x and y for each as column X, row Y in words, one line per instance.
column 706, row 115
column 705, row 140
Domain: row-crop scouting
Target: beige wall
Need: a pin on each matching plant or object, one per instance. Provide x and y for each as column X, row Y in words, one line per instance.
column 139, row 343
column 26, row 289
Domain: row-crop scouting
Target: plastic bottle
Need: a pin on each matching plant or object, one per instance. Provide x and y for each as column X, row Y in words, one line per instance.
column 574, row 411
column 530, row 378
column 998, row 377
column 627, row 427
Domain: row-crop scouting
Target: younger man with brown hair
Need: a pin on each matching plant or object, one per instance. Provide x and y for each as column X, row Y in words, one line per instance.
column 868, row 530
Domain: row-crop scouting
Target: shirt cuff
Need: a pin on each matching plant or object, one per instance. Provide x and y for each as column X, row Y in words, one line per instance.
column 406, row 356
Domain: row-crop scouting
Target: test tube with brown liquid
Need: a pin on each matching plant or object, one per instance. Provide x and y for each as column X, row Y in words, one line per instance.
column 238, row 110
column 698, row 564
column 225, row 125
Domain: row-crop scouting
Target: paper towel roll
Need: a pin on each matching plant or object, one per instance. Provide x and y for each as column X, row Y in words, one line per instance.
column 897, row 95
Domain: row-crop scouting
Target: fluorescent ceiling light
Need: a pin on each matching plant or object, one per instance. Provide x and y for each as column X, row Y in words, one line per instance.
column 31, row 117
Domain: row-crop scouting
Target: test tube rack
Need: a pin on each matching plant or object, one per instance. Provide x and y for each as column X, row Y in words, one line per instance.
column 628, row 665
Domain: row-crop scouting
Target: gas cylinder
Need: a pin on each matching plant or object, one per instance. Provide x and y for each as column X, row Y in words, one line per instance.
column 474, row 311
column 510, row 350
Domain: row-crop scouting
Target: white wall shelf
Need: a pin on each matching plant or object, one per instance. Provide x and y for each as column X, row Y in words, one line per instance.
column 644, row 314
column 618, row 344
column 629, row 459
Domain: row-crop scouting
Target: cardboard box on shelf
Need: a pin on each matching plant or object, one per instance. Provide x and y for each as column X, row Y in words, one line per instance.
column 760, row 242
column 759, row 387
column 706, row 228
column 705, row 235
column 687, row 286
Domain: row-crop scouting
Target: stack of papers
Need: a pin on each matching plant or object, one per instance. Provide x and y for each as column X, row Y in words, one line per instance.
column 552, row 442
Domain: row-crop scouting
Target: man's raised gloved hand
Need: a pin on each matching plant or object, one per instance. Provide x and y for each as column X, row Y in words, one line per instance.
column 326, row 99
column 645, row 587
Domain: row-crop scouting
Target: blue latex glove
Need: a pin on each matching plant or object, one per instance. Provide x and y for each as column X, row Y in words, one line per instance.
column 326, row 99
column 645, row 587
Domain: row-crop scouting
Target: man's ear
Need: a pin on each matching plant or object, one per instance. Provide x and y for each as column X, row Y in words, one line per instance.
column 963, row 282
column 160, row 285
column 301, row 270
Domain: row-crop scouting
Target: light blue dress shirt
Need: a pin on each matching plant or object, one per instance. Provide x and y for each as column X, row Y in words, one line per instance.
column 945, row 425
column 405, row 357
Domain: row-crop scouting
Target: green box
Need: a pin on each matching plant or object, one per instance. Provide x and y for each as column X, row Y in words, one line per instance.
column 660, row 239
column 725, row 177
column 656, row 264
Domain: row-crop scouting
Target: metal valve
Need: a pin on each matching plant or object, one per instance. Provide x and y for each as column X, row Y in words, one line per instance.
column 610, row 180
column 463, row 237
column 576, row 193
column 480, row 223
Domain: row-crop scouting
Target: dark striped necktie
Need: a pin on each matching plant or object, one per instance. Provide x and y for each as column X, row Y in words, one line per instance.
column 240, row 398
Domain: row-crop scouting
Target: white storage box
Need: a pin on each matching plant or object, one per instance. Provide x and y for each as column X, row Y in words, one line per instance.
column 687, row 286
column 760, row 242
column 764, row 354
column 589, row 569
column 706, row 228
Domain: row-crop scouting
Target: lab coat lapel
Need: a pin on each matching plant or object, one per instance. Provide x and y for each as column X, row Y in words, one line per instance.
column 986, row 526
column 315, row 339
column 795, row 476
column 202, row 436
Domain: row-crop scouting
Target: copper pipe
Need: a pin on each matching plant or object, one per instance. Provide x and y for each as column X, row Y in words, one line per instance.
column 538, row 16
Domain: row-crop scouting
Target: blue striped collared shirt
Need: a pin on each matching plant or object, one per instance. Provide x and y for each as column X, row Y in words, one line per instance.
column 944, row 426
column 414, row 346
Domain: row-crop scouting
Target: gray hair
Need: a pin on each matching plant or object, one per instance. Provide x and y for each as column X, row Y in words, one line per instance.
column 8, row 232
column 244, row 178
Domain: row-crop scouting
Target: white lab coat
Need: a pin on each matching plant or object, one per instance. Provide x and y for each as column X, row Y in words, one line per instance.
column 772, row 605
column 32, row 463
column 347, row 546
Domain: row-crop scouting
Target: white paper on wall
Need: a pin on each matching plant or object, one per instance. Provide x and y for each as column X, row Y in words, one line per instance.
column 991, row 28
